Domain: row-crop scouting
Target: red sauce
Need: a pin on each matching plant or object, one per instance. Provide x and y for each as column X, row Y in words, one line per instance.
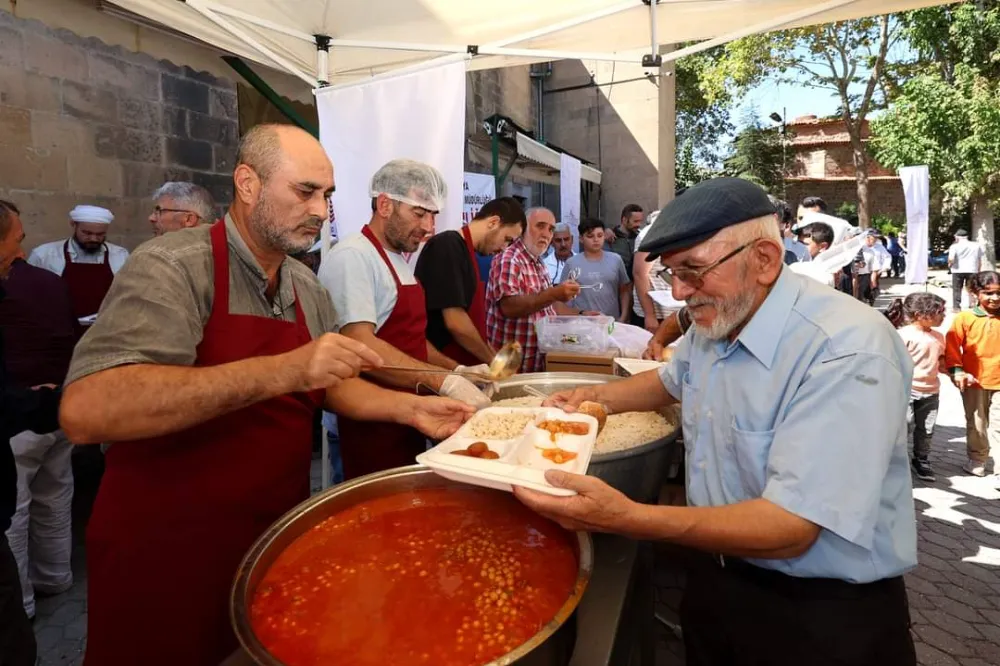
column 437, row 577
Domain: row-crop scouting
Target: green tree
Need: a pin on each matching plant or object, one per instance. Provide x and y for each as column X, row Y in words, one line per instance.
column 702, row 117
column 948, row 115
column 757, row 155
column 848, row 59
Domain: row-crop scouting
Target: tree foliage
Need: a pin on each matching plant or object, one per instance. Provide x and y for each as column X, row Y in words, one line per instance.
column 702, row 117
column 757, row 154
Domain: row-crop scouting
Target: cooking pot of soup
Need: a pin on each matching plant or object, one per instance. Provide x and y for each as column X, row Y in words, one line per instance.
column 404, row 567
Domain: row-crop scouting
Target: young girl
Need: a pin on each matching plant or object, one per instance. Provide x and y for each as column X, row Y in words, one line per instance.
column 916, row 317
column 973, row 360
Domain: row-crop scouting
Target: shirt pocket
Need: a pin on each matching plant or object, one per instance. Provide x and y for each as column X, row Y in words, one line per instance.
column 749, row 451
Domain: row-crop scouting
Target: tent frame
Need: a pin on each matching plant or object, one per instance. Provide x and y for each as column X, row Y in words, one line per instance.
column 223, row 16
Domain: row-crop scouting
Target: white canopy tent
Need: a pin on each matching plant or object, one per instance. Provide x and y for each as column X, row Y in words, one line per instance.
column 334, row 42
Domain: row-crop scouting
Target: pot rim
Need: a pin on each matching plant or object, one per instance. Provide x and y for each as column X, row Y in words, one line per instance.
column 239, row 599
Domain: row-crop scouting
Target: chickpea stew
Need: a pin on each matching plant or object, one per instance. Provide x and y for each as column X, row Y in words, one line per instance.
column 435, row 576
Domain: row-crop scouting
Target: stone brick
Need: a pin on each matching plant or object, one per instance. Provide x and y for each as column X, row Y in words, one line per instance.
column 189, row 153
column 974, row 661
column 15, row 126
column 88, row 103
column 54, row 57
column 175, row 121
column 224, row 159
column 220, row 186
column 29, row 91
column 951, row 624
column 127, row 144
column 95, row 176
column 120, row 76
column 957, row 609
column 140, row 114
column 214, row 130
column 201, row 76
column 51, row 131
column 11, row 53
column 141, row 180
column 224, row 104
column 942, row 640
column 928, row 656
column 184, row 93
column 25, row 168
column 916, row 584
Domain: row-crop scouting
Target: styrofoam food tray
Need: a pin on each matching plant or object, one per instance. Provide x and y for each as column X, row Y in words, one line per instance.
column 521, row 462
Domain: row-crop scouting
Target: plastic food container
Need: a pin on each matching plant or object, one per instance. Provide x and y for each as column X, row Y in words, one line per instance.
column 574, row 334
column 522, row 459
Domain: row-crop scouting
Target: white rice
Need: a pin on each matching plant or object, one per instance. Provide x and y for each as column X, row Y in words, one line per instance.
column 622, row 431
column 496, row 426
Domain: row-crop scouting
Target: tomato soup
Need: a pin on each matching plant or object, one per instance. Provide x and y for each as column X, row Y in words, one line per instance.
column 436, row 577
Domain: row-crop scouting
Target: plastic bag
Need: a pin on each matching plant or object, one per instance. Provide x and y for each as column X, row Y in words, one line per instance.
column 630, row 340
column 574, row 334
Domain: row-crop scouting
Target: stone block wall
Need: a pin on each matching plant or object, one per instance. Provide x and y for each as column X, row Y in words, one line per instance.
column 885, row 196
column 85, row 123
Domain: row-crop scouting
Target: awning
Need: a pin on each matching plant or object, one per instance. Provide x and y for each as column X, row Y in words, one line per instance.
column 541, row 154
column 343, row 41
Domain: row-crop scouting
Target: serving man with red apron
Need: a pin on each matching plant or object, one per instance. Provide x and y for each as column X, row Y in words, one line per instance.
column 379, row 302
column 205, row 370
column 454, row 292
column 86, row 261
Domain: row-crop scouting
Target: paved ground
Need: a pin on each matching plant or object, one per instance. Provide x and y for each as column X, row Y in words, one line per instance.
column 954, row 593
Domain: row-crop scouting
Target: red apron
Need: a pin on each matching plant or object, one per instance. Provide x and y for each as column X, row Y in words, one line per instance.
column 88, row 284
column 372, row 447
column 476, row 311
column 175, row 514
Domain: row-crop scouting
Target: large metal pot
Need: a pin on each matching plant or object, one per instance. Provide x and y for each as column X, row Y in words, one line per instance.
column 638, row 472
column 553, row 644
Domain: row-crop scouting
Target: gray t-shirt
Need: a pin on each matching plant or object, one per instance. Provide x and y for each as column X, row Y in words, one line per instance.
column 160, row 301
column 362, row 286
column 608, row 271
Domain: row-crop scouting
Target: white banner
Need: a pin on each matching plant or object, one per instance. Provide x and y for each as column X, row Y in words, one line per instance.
column 420, row 116
column 569, row 195
column 480, row 189
column 916, row 189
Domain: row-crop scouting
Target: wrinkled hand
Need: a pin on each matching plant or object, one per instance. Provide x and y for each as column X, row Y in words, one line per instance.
column 566, row 291
column 328, row 360
column 568, row 401
column 439, row 418
column 460, row 388
column 654, row 350
column 597, row 507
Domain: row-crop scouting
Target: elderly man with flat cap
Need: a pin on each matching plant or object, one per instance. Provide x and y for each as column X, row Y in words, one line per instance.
column 800, row 509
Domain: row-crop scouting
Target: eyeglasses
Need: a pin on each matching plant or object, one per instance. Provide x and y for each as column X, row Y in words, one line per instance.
column 157, row 211
column 695, row 277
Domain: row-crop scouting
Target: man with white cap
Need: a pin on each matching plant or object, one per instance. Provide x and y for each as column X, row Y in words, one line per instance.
column 379, row 302
column 86, row 261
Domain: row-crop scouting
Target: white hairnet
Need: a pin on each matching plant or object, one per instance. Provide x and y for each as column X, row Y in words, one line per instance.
column 411, row 182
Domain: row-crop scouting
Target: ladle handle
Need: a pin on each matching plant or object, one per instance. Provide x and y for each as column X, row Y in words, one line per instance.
column 462, row 373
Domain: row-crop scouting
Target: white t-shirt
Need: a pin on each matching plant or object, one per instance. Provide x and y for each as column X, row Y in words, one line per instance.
column 360, row 283
column 50, row 256
column 965, row 256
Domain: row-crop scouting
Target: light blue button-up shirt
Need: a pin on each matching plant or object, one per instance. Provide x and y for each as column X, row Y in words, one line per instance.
column 807, row 409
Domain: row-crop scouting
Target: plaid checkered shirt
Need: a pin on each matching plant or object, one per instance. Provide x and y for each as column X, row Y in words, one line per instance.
column 516, row 272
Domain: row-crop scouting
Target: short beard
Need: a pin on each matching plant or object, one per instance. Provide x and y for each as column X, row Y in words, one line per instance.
column 90, row 248
column 263, row 220
column 394, row 236
column 730, row 312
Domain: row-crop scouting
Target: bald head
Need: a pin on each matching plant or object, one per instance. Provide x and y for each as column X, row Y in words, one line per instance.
column 282, row 180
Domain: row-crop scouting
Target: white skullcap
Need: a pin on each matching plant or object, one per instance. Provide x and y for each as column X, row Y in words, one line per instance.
column 94, row 214
column 411, row 182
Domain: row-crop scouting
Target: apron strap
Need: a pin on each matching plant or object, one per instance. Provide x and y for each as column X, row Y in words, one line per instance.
column 220, row 261
column 367, row 232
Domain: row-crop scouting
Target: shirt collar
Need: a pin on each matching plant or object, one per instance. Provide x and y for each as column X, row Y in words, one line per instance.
column 286, row 293
column 520, row 247
column 75, row 250
column 762, row 333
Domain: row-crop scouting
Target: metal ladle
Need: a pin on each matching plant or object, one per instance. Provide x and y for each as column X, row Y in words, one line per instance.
column 505, row 364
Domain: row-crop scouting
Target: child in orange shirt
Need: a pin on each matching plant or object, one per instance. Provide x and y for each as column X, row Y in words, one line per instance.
column 916, row 317
column 973, row 358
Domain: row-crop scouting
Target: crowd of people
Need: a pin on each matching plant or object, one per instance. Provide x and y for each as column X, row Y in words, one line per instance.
column 189, row 359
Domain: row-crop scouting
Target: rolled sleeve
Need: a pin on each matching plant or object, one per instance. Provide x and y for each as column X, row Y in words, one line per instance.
column 150, row 315
column 348, row 277
column 831, row 451
column 672, row 374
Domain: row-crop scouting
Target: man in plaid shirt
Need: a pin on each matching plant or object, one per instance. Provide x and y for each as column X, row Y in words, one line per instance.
column 520, row 290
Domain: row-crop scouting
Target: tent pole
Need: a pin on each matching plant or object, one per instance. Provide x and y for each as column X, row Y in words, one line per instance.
column 495, row 150
column 228, row 26
column 269, row 94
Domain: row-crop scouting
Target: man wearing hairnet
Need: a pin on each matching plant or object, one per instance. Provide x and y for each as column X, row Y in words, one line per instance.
column 379, row 302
